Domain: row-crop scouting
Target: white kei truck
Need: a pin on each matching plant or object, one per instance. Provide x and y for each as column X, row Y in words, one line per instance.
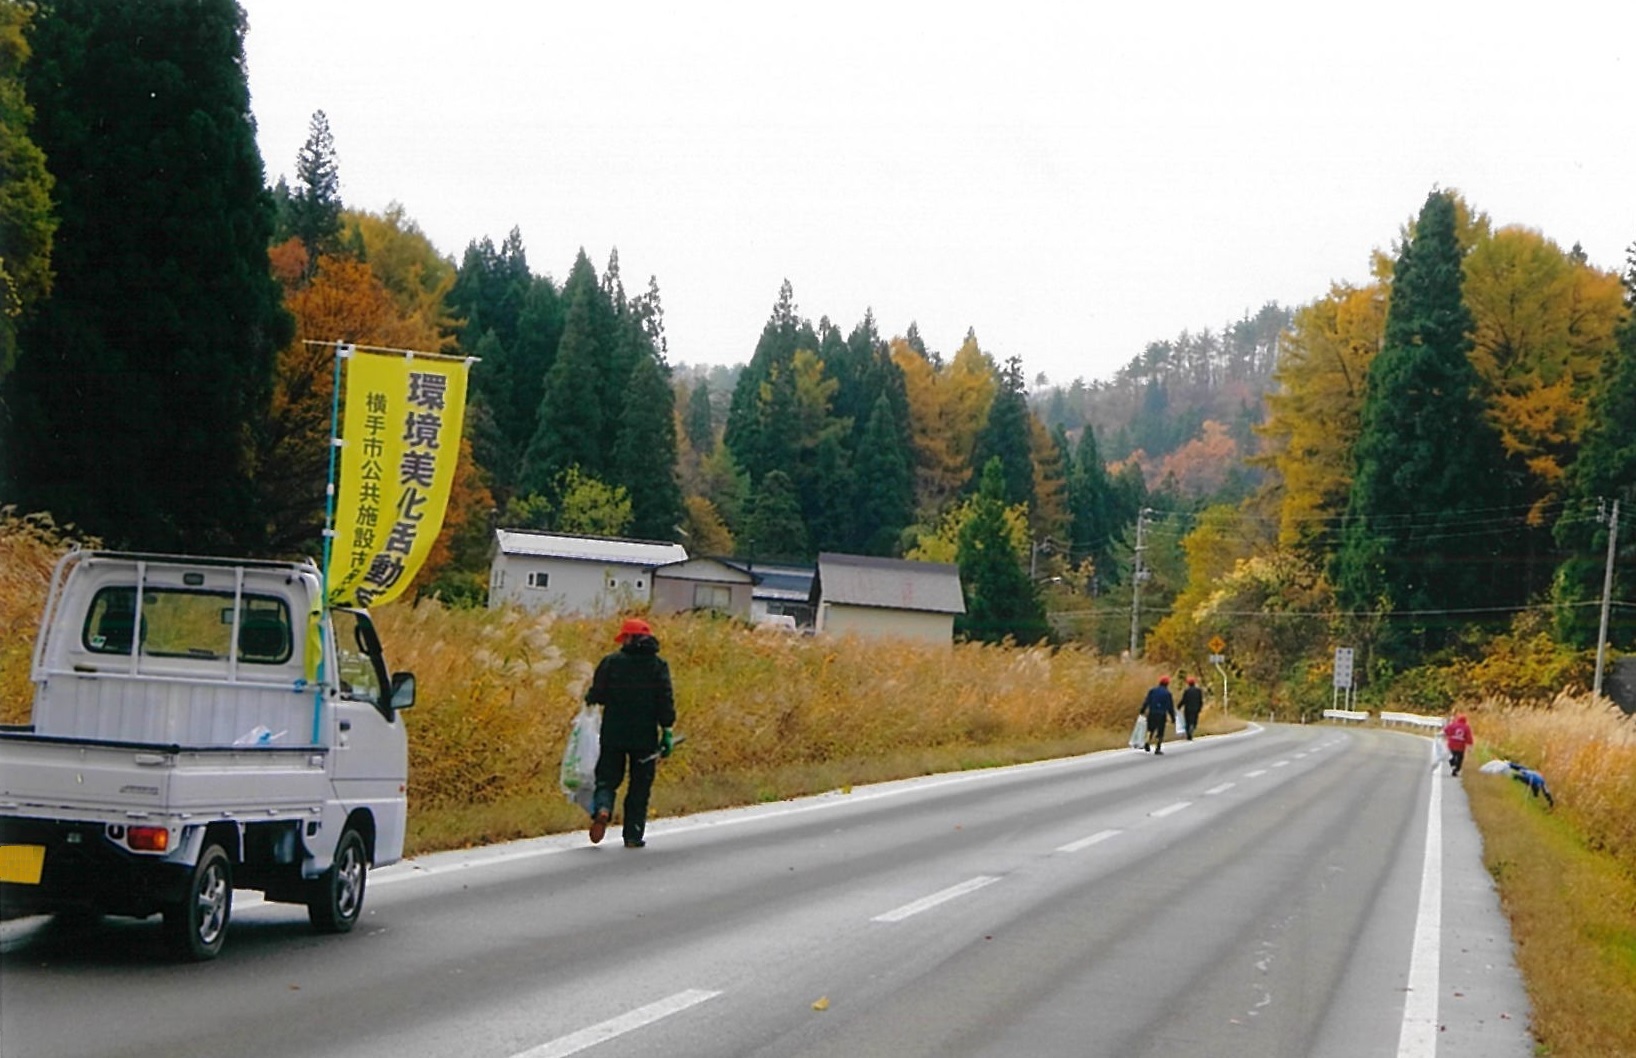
column 200, row 724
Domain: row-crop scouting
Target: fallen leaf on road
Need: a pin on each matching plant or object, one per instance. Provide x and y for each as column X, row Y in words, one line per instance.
column 822, row 1004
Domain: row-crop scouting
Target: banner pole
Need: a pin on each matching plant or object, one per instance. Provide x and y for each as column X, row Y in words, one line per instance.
column 342, row 352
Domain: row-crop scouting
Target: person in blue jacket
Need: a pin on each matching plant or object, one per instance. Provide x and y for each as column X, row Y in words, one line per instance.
column 638, row 711
column 1158, row 705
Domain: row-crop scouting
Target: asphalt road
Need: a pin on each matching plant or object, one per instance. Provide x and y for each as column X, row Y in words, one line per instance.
column 1267, row 893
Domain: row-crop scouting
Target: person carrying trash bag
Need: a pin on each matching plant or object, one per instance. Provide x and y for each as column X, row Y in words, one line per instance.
column 1457, row 734
column 632, row 685
column 1192, row 705
column 1157, row 706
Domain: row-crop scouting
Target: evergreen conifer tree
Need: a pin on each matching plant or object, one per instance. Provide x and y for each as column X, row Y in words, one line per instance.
column 315, row 202
column 701, row 430
column 569, row 429
column 1090, row 506
column 1000, row 599
column 138, row 379
column 1005, row 437
column 885, row 483
column 1425, row 527
column 644, row 457
column 774, row 528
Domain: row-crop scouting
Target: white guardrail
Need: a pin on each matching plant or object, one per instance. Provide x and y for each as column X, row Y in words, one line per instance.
column 1388, row 718
column 1412, row 719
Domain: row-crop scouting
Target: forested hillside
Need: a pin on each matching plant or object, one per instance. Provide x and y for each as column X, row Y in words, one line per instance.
column 1406, row 465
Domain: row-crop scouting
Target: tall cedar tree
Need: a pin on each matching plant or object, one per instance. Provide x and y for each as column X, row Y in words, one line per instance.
column 1425, row 533
column 26, row 220
column 774, row 528
column 1090, row 507
column 644, row 457
column 1604, row 471
column 885, row 483
column 513, row 322
column 138, row 378
column 1000, row 599
column 315, row 203
column 1006, row 437
column 763, row 398
column 570, row 425
column 701, row 430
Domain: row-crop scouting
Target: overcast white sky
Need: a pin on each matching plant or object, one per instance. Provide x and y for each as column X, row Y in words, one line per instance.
column 1072, row 180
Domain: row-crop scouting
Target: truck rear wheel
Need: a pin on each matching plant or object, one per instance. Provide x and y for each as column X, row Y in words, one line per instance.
column 196, row 928
column 336, row 898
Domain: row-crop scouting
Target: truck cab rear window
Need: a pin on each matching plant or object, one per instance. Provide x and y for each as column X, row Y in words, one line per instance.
column 189, row 624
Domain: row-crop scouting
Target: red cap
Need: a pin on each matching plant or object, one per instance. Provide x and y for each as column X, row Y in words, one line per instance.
column 633, row 626
column 1164, row 681
column 1191, row 681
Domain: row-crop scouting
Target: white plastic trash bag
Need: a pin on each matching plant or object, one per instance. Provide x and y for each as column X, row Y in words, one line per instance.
column 578, row 777
column 1138, row 734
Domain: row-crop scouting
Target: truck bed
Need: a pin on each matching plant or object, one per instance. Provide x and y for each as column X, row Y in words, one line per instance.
column 79, row 778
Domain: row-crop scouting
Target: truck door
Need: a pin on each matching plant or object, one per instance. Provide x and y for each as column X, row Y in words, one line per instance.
column 369, row 747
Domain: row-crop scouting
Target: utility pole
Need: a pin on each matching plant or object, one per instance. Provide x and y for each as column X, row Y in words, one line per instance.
column 1607, row 595
column 1137, row 576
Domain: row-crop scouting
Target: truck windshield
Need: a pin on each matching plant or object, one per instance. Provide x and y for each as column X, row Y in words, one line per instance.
column 189, row 624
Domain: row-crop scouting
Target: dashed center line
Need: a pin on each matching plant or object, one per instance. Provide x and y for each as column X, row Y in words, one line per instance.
column 1255, row 774
column 927, row 902
column 614, row 1027
column 1169, row 810
column 1279, row 763
column 1085, row 843
column 1223, row 788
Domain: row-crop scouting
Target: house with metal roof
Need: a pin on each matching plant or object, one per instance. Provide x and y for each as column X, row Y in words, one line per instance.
column 887, row 597
column 703, row 584
column 592, row 575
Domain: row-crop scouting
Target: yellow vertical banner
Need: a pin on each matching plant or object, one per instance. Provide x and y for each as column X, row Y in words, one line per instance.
column 400, row 442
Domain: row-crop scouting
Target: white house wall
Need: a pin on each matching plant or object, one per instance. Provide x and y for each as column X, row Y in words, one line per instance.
column 574, row 585
column 878, row 622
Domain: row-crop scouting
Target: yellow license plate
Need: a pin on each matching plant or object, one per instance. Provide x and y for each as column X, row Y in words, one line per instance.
column 21, row 863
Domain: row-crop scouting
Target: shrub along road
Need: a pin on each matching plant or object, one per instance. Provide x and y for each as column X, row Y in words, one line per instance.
column 1268, row 893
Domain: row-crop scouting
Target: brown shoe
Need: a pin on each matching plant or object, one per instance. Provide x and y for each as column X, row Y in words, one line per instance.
column 599, row 825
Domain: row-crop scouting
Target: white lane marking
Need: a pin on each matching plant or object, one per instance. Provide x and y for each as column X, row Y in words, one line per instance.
column 1085, row 843
column 1419, row 1036
column 1169, row 810
column 1223, row 788
column 1255, row 774
column 1279, row 763
column 440, row 863
column 613, row 1027
column 927, row 902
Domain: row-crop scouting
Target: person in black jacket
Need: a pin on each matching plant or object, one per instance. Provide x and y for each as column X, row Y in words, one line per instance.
column 1192, row 703
column 1158, row 705
column 638, row 710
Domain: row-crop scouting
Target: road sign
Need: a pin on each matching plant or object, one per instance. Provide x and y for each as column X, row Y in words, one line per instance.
column 1343, row 667
column 1217, row 659
column 1218, row 645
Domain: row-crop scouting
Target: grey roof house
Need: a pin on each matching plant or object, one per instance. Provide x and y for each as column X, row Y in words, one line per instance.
column 591, row 575
column 887, row 597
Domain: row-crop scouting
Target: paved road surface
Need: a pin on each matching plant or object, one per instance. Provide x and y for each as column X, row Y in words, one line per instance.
column 1268, row 893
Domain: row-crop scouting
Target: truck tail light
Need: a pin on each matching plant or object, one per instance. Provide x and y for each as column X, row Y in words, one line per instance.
column 149, row 839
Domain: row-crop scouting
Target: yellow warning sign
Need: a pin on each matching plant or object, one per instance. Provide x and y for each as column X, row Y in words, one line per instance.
column 1217, row 644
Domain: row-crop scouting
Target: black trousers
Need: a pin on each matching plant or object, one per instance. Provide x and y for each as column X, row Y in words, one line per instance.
column 610, row 772
column 1457, row 757
column 1192, row 717
column 1156, row 728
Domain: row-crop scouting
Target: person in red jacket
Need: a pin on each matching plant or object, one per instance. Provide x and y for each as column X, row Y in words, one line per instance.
column 1457, row 733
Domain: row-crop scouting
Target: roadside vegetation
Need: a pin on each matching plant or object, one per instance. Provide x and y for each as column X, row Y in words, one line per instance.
column 1567, row 877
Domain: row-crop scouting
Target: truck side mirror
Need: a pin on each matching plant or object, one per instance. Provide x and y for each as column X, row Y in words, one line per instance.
column 403, row 690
